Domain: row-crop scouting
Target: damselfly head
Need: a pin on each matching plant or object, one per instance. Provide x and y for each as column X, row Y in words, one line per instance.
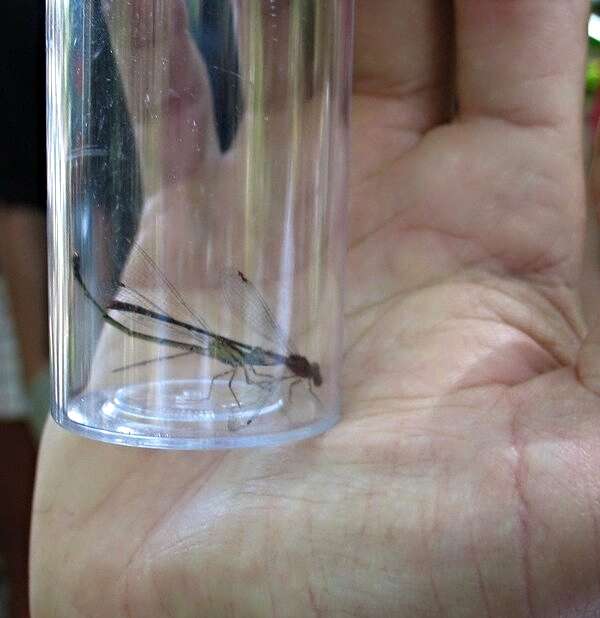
column 300, row 366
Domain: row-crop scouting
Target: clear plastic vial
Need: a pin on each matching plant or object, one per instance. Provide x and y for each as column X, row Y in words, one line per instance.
column 197, row 183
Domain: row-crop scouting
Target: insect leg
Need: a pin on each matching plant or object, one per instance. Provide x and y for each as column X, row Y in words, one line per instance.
column 260, row 375
column 153, row 360
column 292, row 384
column 262, row 384
column 233, row 372
column 214, row 378
column 314, row 394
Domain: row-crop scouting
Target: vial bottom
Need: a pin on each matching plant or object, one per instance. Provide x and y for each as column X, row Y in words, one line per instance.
column 197, row 414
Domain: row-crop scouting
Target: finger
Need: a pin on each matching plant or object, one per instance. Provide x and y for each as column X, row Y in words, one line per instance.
column 166, row 85
column 404, row 53
column 521, row 60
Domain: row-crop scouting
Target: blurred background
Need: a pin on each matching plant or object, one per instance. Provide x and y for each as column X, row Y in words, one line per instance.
column 24, row 378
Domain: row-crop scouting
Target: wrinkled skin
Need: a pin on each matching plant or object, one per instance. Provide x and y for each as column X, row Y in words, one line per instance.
column 464, row 478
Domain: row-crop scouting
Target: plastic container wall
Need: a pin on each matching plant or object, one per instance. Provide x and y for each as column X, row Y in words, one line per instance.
column 197, row 183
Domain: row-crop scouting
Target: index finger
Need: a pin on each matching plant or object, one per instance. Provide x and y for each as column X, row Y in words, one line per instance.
column 521, row 61
column 404, row 54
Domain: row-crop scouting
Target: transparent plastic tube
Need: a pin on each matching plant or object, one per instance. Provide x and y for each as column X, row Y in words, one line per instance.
column 197, row 182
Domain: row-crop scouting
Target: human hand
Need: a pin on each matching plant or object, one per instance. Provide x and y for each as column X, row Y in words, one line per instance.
column 462, row 479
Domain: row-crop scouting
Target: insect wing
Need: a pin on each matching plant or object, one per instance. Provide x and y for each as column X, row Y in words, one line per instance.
column 148, row 289
column 146, row 281
column 248, row 305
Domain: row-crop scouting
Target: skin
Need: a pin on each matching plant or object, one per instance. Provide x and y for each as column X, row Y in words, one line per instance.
column 463, row 480
column 23, row 262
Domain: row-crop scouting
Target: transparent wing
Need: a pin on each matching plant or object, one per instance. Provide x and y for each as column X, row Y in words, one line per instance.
column 146, row 281
column 248, row 305
column 154, row 293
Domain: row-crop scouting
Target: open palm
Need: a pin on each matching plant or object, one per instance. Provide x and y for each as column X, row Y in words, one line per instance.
column 463, row 479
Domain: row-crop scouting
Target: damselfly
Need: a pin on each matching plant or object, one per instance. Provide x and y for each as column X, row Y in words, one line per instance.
column 139, row 314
